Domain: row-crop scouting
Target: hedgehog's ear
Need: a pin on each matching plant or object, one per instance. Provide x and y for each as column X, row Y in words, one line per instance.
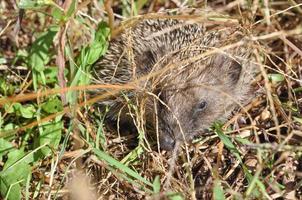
column 145, row 61
column 229, row 68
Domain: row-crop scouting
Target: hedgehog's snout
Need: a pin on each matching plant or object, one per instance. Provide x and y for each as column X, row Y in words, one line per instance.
column 167, row 142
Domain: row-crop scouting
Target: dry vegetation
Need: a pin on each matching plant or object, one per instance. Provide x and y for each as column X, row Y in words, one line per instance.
column 53, row 144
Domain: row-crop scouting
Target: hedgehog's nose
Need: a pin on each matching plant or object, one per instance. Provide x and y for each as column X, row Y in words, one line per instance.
column 167, row 142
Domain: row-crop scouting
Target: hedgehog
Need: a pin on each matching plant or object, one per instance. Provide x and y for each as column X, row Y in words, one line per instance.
column 193, row 74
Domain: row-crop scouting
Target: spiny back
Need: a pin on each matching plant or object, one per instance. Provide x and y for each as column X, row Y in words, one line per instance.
column 141, row 46
column 203, row 73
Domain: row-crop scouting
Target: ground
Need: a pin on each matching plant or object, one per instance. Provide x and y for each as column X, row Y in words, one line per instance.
column 53, row 141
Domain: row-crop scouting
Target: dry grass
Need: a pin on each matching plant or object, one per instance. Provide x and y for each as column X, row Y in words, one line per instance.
column 255, row 155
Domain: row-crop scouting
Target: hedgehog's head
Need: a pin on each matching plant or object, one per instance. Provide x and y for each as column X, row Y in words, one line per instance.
column 196, row 97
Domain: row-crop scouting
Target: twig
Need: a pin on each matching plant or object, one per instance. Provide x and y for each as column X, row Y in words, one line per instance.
column 110, row 14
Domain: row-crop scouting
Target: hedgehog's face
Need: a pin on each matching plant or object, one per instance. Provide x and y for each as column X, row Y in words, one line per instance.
column 190, row 112
column 190, row 107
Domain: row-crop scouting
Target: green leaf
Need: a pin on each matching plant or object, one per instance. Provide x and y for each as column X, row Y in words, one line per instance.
column 156, row 185
column 13, row 156
column 88, row 56
column 297, row 119
column 226, row 141
column 276, row 78
column 15, row 171
column 100, row 136
column 50, row 75
column 174, row 196
column 133, row 155
column 34, row 4
column 242, row 140
column 118, row 165
column 58, row 14
column 72, row 8
column 5, row 146
column 3, row 61
column 40, row 54
column 298, row 89
column 27, row 111
column 9, row 108
column 71, row 95
column 10, row 191
column 10, row 126
column 94, row 53
column 98, row 47
column 218, row 191
column 50, row 135
column 6, row 88
column 53, row 105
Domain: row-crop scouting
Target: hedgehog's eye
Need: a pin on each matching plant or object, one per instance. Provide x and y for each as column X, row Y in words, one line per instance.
column 201, row 105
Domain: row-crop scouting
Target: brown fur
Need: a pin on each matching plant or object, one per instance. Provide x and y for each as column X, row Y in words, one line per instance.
column 194, row 87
